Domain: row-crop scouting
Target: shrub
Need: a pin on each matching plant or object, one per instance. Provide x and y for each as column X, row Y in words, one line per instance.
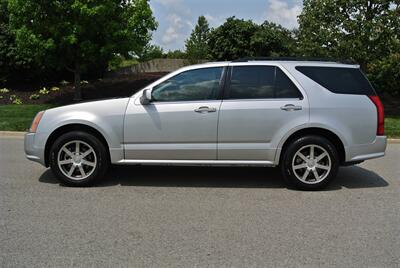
column 17, row 101
column 384, row 74
column 4, row 90
column 55, row 89
column 44, row 91
column 34, row 97
column 64, row 83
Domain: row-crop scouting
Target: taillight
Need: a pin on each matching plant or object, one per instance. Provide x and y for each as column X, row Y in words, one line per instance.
column 381, row 115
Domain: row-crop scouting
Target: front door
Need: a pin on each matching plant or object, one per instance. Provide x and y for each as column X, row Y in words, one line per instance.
column 180, row 123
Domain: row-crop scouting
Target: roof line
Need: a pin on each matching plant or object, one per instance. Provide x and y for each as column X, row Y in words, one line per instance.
column 247, row 59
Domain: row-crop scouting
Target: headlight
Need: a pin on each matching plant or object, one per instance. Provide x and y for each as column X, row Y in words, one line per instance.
column 36, row 122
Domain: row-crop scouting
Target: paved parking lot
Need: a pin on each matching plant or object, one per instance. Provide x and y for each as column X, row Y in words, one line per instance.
column 198, row 217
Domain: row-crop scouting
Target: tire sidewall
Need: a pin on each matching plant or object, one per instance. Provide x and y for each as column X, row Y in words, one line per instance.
column 291, row 150
column 94, row 142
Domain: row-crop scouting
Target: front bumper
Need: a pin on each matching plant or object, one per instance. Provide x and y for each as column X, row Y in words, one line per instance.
column 33, row 151
column 367, row 151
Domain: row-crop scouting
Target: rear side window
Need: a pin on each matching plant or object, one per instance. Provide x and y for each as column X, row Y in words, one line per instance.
column 339, row 80
column 261, row 82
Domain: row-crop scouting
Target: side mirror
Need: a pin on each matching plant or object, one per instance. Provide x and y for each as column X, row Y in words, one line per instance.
column 145, row 99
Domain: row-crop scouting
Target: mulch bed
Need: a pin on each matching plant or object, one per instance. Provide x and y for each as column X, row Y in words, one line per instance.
column 122, row 86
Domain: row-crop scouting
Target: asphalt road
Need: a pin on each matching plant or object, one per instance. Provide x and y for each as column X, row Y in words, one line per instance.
column 198, row 217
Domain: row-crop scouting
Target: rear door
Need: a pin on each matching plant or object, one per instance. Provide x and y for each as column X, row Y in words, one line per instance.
column 261, row 104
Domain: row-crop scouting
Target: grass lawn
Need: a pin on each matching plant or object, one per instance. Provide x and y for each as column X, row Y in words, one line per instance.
column 392, row 126
column 19, row 118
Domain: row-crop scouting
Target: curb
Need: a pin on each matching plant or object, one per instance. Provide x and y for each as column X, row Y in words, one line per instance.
column 21, row 134
column 12, row 133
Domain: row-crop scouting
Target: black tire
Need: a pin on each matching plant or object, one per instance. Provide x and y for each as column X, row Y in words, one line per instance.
column 288, row 161
column 101, row 156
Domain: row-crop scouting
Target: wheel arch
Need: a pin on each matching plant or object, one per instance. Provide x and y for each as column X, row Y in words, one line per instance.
column 72, row 127
column 316, row 131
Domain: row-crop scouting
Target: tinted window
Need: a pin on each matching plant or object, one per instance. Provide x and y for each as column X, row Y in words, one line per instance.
column 261, row 82
column 339, row 80
column 200, row 84
column 284, row 87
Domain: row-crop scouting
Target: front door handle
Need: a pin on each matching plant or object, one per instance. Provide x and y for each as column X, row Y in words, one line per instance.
column 205, row 109
column 291, row 107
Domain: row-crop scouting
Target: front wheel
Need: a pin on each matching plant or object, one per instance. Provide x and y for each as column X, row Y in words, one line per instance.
column 310, row 163
column 78, row 158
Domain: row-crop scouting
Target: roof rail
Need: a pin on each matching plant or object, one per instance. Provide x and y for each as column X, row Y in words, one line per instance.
column 246, row 59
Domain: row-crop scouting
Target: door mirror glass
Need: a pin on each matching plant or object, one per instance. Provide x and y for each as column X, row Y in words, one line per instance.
column 145, row 99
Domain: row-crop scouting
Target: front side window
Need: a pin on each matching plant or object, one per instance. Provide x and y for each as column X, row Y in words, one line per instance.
column 200, row 84
column 261, row 82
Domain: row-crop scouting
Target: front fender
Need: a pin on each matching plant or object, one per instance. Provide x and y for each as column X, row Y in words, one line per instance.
column 107, row 117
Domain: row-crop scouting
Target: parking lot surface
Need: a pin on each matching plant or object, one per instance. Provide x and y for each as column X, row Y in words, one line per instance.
column 198, row 217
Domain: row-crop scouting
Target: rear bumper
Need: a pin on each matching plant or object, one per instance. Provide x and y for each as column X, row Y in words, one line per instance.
column 363, row 152
column 32, row 151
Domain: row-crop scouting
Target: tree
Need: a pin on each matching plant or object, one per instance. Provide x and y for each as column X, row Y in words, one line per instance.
column 151, row 52
column 175, row 54
column 74, row 34
column 6, row 42
column 384, row 74
column 11, row 65
column 272, row 40
column 359, row 30
column 197, row 44
column 232, row 40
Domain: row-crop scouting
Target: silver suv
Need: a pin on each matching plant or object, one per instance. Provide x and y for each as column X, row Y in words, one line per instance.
column 307, row 117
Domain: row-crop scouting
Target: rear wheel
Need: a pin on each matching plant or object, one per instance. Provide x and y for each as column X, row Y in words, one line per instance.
column 78, row 158
column 310, row 163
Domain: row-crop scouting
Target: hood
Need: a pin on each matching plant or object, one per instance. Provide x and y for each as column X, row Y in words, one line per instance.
column 104, row 104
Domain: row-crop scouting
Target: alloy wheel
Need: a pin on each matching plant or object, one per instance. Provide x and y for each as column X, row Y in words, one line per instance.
column 77, row 160
column 311, row 164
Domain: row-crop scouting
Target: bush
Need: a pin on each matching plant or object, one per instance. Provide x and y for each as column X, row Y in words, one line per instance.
column 64, row 83
column 384, row 74
column 4, row 90
column 34, row 97
column 151, row 52
column 44, row 91
column 15, row 100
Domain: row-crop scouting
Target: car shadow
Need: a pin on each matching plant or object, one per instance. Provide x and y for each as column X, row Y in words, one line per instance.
column 221, row 177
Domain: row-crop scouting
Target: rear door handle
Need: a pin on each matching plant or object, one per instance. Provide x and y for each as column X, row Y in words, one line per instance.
column 291, row 107
column 205, row 109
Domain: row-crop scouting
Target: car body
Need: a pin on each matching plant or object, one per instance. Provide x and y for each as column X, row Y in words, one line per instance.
column 205, row 115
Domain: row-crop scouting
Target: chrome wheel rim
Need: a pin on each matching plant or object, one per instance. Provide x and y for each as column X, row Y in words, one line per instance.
column 311, row 164
column 77, row 160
